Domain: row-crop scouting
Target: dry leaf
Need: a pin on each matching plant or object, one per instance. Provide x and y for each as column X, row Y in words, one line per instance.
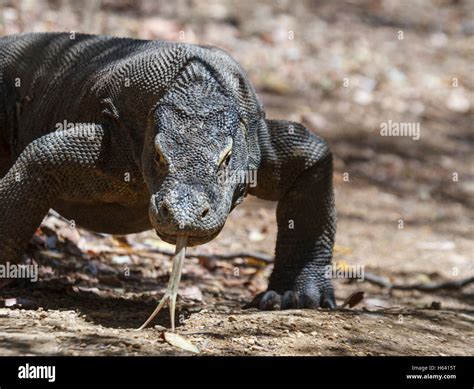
column 354, row 299
column 9, row 302
column 53, row 254
column 255, row 262
column 191, row 293
column 180, row 342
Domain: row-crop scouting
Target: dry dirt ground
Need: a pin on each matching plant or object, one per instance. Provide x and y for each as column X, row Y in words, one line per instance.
column 94, row 290
column 89, row 304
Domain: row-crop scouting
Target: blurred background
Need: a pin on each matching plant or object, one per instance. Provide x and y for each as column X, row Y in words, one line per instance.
column 343, row 68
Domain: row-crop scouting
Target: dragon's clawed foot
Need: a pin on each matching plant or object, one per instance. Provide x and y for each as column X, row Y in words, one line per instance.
column 271, row 300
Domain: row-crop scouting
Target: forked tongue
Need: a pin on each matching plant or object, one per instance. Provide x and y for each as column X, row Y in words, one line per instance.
column 172, row 288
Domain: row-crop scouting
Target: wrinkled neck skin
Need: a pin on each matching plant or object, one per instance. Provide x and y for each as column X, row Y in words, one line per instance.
column 195, row 144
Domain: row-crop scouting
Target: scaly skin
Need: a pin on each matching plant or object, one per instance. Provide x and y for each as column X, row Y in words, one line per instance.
column 167, row 122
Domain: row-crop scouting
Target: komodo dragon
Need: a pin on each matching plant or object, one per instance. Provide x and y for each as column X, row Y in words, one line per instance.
column 125, row 135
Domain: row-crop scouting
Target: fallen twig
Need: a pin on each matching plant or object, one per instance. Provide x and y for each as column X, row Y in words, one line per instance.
column 428, row 287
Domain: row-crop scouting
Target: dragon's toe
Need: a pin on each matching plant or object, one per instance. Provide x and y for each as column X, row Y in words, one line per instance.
column 271, row 300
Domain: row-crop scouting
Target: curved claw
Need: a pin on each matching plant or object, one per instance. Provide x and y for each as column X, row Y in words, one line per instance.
column 265, row 301
column 255, row 302
column 290, row 300
column 328, row 300
column 270, row 301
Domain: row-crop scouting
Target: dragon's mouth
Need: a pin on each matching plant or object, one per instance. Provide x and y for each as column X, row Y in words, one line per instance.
column 181, row 241
column 192, row 239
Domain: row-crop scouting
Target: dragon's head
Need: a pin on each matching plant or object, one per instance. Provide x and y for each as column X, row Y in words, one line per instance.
column 195, row 161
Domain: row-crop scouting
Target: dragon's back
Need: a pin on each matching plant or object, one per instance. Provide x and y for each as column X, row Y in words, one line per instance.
column 50, row 78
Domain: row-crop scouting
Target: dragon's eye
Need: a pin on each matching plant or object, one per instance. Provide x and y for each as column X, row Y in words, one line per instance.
column 159, row 158
column 225, row 157
column 226, row 160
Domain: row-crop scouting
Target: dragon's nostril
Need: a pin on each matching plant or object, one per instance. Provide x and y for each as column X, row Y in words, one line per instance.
column 164, row 211
column 205, row 212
